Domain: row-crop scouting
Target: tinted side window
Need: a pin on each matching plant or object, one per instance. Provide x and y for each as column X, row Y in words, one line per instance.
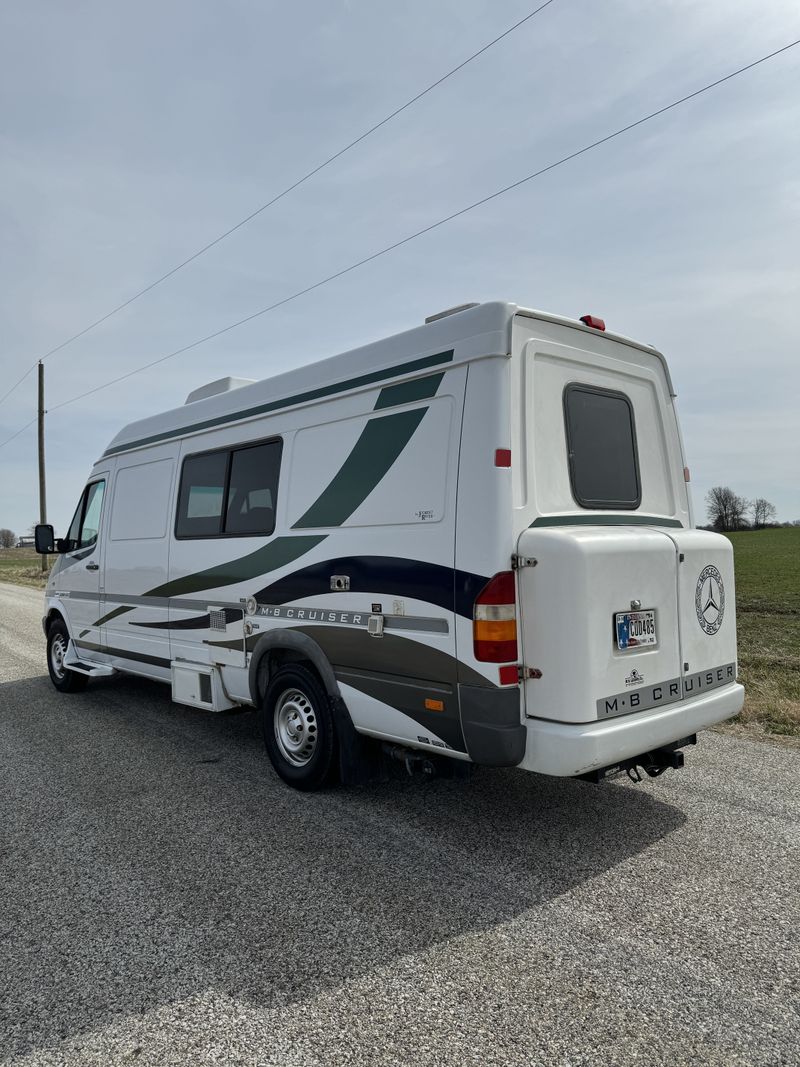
column 601, row 443
column 201, row 495
column 231, row 492
column 252, row 489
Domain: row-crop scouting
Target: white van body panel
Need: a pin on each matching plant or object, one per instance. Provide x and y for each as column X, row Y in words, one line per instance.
column 394, row 504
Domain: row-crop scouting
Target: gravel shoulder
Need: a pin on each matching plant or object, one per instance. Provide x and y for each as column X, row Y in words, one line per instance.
column 165, row 899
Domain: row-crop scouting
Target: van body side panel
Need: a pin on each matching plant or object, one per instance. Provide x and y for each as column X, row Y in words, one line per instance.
column 137, row 558
column 491, row 715
column 366, row 493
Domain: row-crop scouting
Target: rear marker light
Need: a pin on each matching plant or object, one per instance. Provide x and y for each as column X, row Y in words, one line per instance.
column 502, row 457
column 494, row 625
column 509, row 675
column 593, row 321
column 686, row 476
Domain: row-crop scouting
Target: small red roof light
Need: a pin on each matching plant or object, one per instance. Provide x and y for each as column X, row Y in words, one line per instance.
column 502, row 457
column 593, row 321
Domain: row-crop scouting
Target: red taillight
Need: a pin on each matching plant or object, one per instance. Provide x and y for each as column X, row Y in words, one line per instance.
column 502, row 457
column 494, row 626
column 593, row 321
column 508, row 675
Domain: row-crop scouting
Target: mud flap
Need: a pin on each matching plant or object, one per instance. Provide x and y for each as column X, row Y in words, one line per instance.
column 360, row 758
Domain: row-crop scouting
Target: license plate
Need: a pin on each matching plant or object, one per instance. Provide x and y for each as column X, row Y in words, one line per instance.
column 635, row 629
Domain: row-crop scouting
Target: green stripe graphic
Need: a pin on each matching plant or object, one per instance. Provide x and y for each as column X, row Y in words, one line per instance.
column 277, row 553
column 381, row 442
column 407, row 392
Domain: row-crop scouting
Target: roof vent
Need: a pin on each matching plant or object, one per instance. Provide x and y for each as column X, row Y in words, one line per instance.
column 450, row 311
column 222, row 385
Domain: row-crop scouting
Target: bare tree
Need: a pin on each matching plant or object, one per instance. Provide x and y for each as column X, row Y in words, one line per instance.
column 763, row 512
column 726, row 510
column 7, row 538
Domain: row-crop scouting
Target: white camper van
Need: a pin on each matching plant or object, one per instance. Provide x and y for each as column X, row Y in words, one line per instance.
column 472, row 540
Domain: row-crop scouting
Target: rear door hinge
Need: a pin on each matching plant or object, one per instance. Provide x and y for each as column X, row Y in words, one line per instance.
column 518, row 562
column 526, row 673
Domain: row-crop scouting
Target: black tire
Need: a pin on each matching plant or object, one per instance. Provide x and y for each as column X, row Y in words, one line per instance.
column 298, row 728
column 64, row 680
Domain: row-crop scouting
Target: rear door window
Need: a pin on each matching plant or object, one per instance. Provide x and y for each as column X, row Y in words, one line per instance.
column 601, row 447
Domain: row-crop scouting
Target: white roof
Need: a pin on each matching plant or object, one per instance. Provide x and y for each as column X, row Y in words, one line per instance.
column 479, row 330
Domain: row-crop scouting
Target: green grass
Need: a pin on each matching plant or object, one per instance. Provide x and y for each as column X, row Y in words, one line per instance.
column 767, row 564
column 22, row 567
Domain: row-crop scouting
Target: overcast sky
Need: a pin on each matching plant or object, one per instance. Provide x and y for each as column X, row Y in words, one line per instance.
column 131, row 134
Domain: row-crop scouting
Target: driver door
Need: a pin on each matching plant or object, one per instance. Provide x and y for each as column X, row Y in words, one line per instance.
column 80, row 576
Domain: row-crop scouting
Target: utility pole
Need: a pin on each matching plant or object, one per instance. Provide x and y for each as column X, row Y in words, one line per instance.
column 42, row 485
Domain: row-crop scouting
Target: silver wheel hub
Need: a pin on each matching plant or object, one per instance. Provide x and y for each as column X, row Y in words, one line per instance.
column 58, row 650
column 295, row 727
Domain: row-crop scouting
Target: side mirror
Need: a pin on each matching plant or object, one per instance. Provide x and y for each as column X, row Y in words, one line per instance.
column 44, row 540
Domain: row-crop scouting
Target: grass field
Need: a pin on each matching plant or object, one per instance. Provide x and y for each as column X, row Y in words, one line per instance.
column 768, row 619
column 22, row 567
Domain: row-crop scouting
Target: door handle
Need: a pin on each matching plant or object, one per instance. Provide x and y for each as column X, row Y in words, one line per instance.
column 92, row 566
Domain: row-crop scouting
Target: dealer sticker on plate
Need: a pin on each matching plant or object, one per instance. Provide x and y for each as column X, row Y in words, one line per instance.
column 635, row 629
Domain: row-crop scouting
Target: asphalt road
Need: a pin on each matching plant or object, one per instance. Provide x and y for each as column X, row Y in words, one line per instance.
column 165, row 899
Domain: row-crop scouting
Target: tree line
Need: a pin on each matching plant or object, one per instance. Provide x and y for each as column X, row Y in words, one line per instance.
column 729, row 511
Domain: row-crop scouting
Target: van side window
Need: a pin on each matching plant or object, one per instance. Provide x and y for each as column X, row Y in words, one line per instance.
column 201, row 495
column 90, row 527
column 85, row 525
column 231, row 492
column 601, row 446
column 252, row 486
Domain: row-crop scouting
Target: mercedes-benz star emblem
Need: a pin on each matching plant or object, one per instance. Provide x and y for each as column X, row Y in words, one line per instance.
column 709, row 599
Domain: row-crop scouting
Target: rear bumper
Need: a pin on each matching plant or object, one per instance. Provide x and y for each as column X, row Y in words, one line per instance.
column 568, row 749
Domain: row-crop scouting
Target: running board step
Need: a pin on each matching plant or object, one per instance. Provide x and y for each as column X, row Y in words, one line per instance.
column 92, row 670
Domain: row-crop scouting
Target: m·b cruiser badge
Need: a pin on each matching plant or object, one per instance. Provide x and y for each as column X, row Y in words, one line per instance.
column 709, row 599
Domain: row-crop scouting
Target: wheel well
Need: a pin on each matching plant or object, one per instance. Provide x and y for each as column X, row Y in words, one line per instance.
column 276, row 658
column 53, row 615
column 278, row 648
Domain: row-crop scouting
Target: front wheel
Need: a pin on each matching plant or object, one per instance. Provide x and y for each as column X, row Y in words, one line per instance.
column 65, row 681
column 298, row 728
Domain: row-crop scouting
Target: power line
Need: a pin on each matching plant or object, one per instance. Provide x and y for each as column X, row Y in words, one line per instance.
column 18, row 383
column 279, row 196
column 426, row 229
column 433, row 226
column 22, row 429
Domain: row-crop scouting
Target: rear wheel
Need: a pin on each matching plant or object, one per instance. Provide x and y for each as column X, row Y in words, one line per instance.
column 298, row 727
column 64, row 680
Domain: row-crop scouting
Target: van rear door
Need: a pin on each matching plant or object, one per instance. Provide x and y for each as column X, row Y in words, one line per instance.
column 706, row 610
column 600, row 621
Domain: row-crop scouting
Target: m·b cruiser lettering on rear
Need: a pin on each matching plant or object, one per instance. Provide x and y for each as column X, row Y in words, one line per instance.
column 654, row 696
